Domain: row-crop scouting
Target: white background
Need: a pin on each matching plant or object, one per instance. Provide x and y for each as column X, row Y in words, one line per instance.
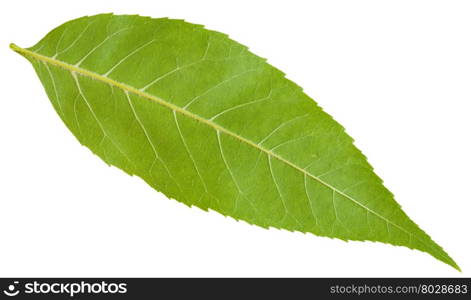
column 396, row 74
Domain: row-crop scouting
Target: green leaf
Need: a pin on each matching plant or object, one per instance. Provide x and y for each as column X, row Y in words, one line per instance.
column 206, row 122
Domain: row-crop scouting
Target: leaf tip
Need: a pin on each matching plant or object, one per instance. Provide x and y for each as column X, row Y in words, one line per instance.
column 455, row 266
column 449, row 261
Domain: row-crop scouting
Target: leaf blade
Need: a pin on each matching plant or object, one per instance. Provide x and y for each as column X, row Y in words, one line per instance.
column 306, row 163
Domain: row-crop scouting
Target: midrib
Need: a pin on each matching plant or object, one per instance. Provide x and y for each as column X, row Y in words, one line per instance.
column 209, row 123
